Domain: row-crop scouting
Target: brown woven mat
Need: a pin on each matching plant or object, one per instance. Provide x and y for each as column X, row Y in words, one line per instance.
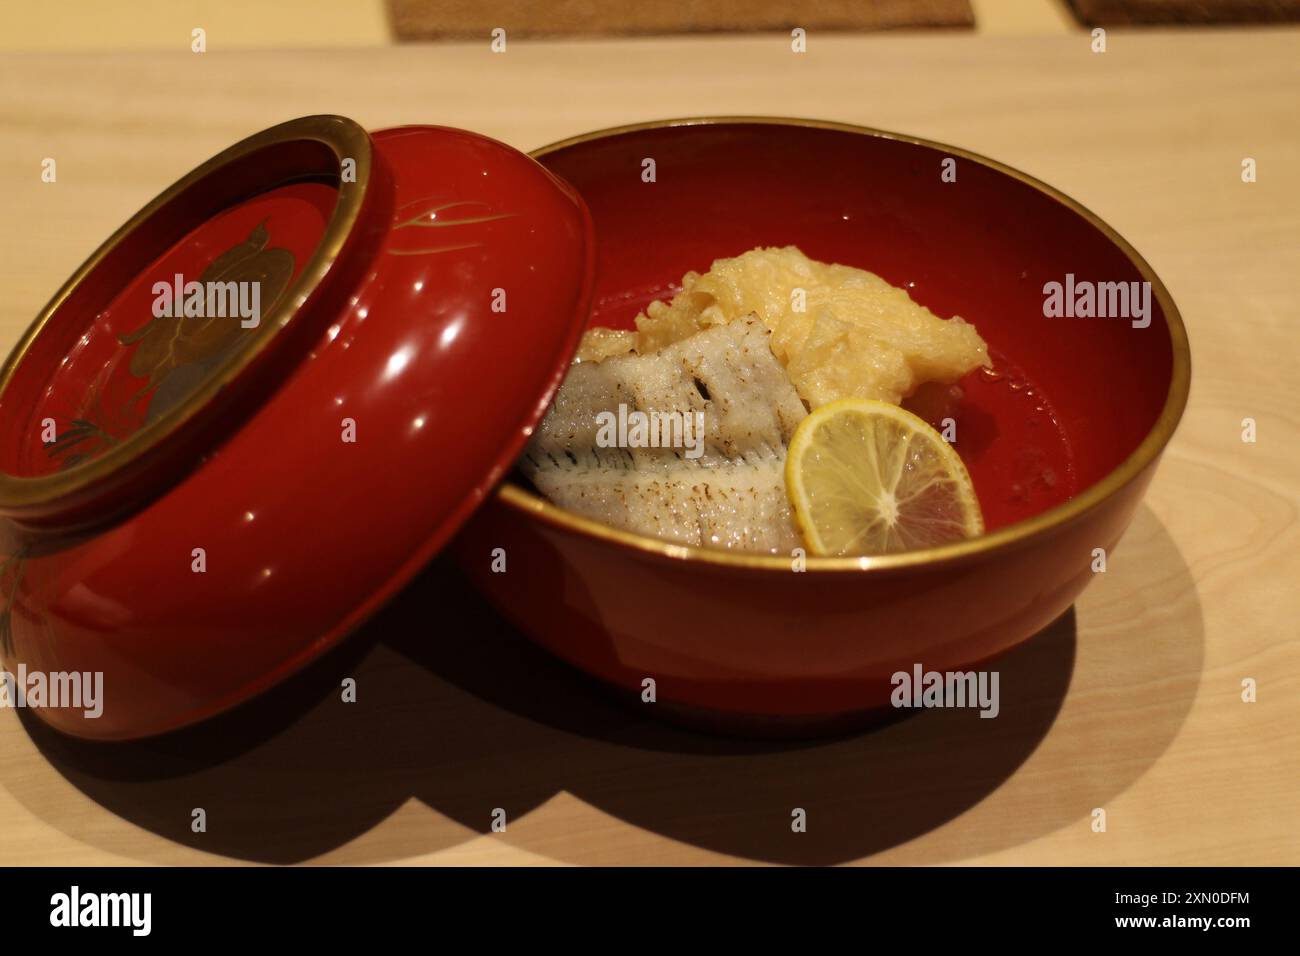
column 1106, row 13
column 433, row 19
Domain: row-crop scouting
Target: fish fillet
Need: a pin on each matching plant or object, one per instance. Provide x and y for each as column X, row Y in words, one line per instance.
column 726, row 490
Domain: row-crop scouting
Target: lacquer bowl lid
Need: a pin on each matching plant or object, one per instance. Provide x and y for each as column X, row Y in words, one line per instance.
column 267, row 399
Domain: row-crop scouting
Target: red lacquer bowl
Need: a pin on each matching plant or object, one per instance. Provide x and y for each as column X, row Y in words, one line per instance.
column 1061, row 441
column 191, row 509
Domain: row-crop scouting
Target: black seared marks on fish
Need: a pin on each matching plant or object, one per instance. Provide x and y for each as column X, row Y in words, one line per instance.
column 702, row 529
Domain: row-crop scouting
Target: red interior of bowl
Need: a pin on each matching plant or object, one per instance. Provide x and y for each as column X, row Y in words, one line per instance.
column 1071, row 397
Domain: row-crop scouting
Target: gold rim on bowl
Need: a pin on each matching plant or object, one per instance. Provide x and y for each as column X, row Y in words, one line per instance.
column 1147, row 451
column 346, row 140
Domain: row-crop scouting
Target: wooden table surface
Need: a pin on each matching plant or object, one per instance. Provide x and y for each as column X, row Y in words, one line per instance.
column 1132, row 703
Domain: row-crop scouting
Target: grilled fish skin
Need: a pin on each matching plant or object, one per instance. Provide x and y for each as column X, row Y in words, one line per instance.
column 722, row 488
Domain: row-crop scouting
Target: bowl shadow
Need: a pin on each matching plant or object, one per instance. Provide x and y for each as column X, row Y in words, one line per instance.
column 456, row 709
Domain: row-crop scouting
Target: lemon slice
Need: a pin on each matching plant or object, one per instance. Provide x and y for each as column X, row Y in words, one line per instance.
column 867, row 477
